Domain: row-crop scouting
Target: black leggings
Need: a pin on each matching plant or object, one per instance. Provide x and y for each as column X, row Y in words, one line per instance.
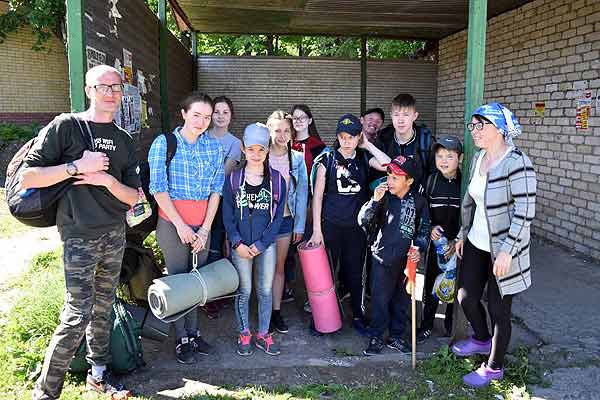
column 476, row 271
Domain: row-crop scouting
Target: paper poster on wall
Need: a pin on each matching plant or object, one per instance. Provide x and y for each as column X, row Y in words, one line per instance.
column 584, row 107
column 141, row 82
column 540, row 109
column 127, row 66
column 114, row 15
column 119, row 68
column 94, row 57
column 144, row 117
column 130, row 115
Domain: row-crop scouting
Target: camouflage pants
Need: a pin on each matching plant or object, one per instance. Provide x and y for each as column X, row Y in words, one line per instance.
column 92, row 268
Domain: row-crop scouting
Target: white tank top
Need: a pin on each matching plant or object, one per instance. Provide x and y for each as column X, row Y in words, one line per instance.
column 479, row 234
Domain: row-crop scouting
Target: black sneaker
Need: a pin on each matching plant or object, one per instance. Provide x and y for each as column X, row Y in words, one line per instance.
column 184, row 352
column 266, row 344
column 107, row 385
column 278, row 325
column 199, row 345
column 245, row 344
column 288, row 296
column 423, row 335
column 375, row 347
column 399, row 345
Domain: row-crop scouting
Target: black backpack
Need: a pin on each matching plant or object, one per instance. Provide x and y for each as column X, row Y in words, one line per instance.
column 138, row 233
column 37, row 207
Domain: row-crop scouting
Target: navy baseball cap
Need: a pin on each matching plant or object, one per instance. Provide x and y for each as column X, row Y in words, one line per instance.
column 448, row 142
column 350, row 124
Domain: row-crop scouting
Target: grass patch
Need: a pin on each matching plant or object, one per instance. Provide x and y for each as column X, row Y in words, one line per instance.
column 27, row 329
column 9, row 226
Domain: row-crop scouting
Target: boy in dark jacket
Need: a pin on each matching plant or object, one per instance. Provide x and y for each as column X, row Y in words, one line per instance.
column 443, row 195
column 397, row 215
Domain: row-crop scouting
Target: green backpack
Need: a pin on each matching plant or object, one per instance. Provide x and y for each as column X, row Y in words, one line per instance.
column 125, row 344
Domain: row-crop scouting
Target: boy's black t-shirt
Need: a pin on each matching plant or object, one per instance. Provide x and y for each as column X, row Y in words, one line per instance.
column 346, row 188
column 87, row 211
column 443, row 195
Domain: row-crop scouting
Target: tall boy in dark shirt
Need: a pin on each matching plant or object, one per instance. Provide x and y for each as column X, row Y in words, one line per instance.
column 397, row 215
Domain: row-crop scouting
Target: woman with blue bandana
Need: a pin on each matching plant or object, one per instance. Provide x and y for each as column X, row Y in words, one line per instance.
column 493, row 242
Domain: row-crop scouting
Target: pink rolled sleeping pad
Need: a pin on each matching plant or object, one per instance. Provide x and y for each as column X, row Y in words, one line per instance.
column 320, row 288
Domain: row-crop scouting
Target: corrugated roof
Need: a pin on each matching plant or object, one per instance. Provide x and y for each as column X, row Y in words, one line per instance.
column 406, row 19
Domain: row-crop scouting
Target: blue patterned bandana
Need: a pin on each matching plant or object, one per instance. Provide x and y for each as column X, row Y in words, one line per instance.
column 502, row 118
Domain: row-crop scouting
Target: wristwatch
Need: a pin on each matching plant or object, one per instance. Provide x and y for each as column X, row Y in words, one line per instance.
column 72, row 169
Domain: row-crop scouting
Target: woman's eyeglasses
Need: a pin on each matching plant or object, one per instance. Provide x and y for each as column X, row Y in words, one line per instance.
column 300, row 119
column 479, row 126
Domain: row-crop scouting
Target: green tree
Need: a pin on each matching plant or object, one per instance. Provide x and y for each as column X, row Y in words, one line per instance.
column 44, row 17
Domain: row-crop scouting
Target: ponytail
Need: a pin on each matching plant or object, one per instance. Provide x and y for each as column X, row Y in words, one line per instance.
column 289, row 153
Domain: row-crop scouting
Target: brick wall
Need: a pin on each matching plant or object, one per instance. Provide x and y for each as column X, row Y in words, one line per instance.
column 537, row 53
column 34, row 84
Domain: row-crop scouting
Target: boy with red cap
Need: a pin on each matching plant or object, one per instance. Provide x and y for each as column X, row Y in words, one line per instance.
column 396, row 216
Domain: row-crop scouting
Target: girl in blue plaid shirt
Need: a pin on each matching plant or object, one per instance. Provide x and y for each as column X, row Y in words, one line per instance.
column 187, row 192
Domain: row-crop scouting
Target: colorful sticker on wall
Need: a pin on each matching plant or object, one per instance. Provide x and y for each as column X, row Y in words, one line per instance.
column 584, row 107
column 127, row 66
column 94, row 57
column 540, row 109
column 130, row 115
column 114, row 15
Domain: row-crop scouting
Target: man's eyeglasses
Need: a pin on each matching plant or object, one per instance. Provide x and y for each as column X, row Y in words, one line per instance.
column 108, row 89
column 479, row 126
column 300, row 119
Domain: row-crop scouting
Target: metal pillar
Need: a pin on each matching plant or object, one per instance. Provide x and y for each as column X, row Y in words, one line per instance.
column 76, row 53
column 163, row 66
column 363, row 74
column 475, row 73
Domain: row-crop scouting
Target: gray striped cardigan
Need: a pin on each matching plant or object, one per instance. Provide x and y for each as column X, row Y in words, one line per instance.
column 509, row 208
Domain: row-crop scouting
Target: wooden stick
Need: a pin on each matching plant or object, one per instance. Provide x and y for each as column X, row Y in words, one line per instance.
column 414, row 327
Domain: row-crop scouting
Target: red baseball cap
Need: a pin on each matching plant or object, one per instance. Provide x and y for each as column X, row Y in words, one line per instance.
column 404, row 166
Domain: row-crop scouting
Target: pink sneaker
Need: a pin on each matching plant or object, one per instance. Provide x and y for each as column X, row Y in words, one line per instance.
column 483, row 376
column 471, row 346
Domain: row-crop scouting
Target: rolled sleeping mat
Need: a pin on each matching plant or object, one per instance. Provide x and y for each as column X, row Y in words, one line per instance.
column 315, row 267
column 173, row 296
column 319, row 285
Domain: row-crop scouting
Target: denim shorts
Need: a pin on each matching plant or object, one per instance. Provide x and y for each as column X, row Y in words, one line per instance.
column 287, row 225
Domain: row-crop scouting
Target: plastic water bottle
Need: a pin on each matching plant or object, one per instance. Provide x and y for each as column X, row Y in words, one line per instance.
column 441, row 247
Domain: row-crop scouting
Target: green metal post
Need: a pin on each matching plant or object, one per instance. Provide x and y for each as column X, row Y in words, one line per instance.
column 475, row 73
column 363, row 74
column 473, row 99
column 76, row 53
column 163, row 66
column 195, row 59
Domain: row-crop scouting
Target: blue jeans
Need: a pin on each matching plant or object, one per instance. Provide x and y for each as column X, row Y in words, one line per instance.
column 265, row 262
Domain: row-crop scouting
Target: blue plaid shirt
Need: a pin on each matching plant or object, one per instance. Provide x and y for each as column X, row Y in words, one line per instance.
column 195, row 172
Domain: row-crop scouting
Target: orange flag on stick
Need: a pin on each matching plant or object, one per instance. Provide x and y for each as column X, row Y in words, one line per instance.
column 411, row 270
